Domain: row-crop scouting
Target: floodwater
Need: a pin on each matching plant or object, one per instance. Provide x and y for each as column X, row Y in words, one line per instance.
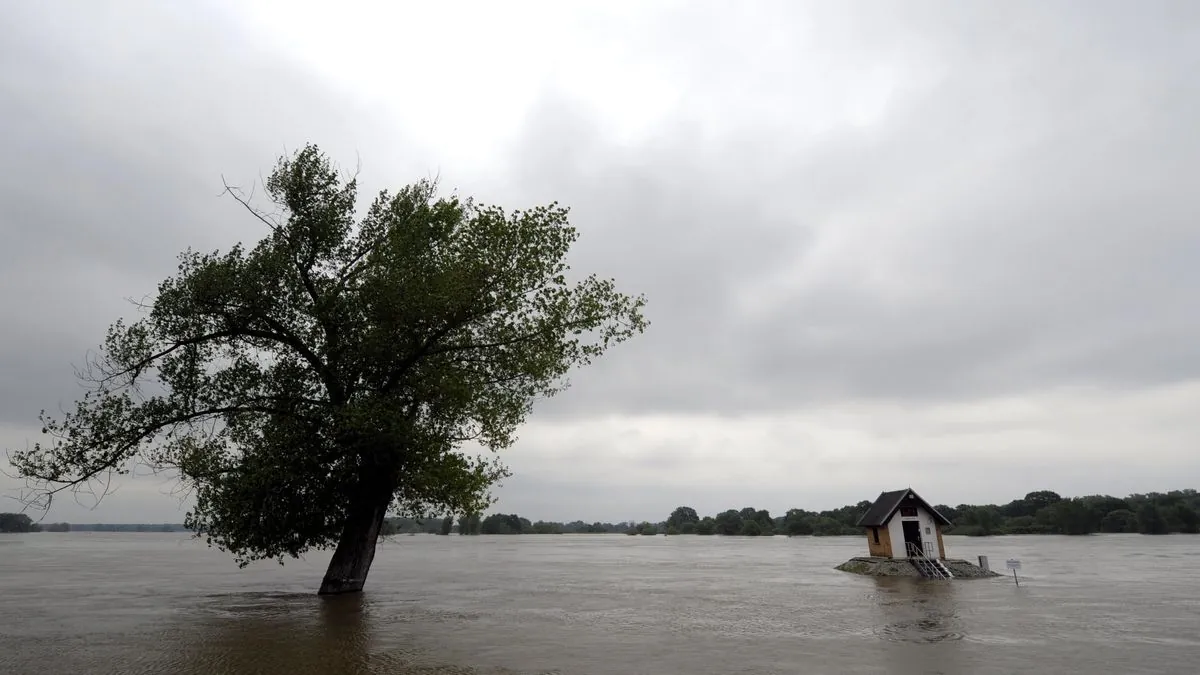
column 93, row 603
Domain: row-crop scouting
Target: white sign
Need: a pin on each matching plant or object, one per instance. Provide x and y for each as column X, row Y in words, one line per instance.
column 1013, row 564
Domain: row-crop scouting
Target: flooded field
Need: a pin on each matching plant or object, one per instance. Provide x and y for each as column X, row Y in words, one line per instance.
column 93, row 603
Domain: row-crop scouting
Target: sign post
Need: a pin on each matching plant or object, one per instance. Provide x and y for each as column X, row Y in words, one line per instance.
column 1014, row 565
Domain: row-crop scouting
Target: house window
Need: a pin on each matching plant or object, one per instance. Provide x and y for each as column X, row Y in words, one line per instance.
column 875, row 532
column 927, row 531
column 908, row 512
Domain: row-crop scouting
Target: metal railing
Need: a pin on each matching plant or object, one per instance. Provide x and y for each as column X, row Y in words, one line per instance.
column 933, row 568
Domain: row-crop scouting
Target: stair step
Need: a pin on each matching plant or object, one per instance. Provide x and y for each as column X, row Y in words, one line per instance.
column 931, row 569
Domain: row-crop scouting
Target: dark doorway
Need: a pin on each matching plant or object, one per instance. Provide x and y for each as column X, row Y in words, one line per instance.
column 912, row 535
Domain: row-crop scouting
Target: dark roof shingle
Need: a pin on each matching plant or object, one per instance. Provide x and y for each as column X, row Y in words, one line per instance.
column 887, row 503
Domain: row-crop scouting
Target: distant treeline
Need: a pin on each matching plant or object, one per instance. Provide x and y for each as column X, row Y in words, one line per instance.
column 496, row 523
column 1041, row 512
column 1046, row 512
column 20, row 522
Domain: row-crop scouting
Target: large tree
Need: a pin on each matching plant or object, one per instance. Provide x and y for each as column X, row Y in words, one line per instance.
column 338, row 370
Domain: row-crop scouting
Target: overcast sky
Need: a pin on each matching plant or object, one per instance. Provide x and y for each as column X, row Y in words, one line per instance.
column 947, row 245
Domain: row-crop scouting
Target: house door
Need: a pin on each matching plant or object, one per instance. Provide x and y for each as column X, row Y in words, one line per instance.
column 912, row 535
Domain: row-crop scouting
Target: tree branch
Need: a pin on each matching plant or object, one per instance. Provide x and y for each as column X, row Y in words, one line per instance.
column 448, row 349
column 337, row 393
column 120, row 444
column 137, row 368
column 236, row 194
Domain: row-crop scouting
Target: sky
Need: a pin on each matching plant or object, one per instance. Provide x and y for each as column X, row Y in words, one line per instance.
column 952, row 246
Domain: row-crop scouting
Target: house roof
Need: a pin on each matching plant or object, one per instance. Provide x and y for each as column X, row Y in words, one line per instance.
column 887, row 504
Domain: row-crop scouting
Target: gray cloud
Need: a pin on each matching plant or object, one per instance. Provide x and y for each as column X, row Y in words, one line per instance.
column 118, row 130
column 1023, row 220
column 932, row 206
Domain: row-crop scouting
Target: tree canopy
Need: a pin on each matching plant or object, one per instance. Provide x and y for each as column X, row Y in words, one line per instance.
column 334, row 371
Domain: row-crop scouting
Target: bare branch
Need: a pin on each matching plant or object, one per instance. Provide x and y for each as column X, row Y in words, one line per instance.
column 237, row 194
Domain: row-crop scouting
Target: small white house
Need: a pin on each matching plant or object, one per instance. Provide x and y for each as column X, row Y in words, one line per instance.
column 900, row 524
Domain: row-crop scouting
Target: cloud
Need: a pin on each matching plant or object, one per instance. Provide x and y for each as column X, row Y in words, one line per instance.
column 120, row 129
column 1015, row 221
column 1075, row 440
column 958, row 244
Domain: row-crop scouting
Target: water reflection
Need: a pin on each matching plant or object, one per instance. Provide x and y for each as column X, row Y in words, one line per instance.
column 915, row 615
column 252, row 633
column 918, row 611
column 299, row 634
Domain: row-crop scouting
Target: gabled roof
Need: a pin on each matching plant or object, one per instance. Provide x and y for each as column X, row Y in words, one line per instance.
column 887, row 504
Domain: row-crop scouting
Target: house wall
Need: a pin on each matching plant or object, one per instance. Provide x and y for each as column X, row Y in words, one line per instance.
column 931, row 534
column 884, row 548
column 941, row 544
column 896, row 530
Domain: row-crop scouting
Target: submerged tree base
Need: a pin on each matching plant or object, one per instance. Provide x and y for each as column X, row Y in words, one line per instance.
column 901, row 567
column 341, row 586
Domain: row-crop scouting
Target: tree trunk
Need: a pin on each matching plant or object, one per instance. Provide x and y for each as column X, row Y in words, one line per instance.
column 355, row 551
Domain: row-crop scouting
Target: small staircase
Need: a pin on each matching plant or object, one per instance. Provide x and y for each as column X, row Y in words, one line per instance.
column 930, row 568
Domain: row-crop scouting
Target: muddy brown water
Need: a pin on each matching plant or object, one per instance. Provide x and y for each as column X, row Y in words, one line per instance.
column 94, row 603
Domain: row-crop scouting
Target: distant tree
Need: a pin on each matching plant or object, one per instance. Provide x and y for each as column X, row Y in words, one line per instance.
column 469, row 523
column 978, row 520
column 1189, row 522
column 644, row 527
column 825, row 526
column 579, row 526
column 1068, row 516
column 797, row 523
column 728, row 523
column 706, row 526
column 307, row 386
column 1121, row 520
column 766, row 524
column 1040, row 500
column 545, row 527
column 751, row 528
column 949, row 511
column 17, row 522
column 1017, row 508
column 1150, row 519
column 499, row 523
column 1023, row 525
column 681, row 516
column 447, row 525
column 1103, row 504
